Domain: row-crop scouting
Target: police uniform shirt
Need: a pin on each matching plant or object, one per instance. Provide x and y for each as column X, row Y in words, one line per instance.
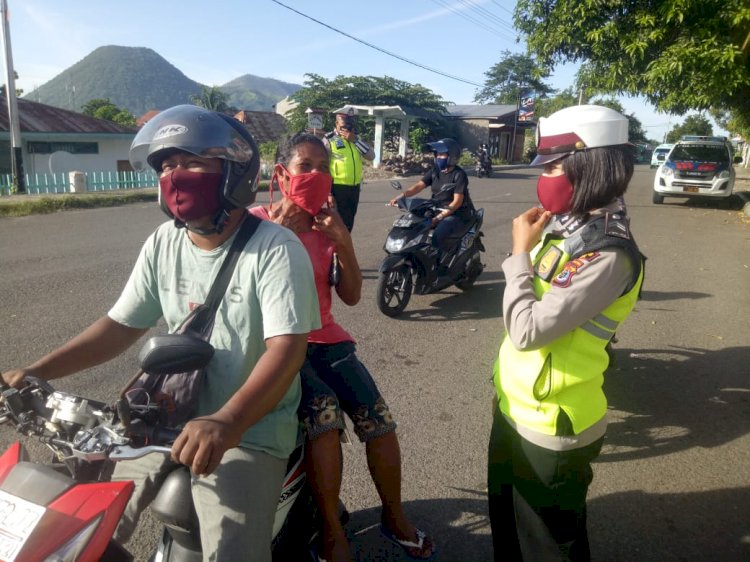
column 574, row 297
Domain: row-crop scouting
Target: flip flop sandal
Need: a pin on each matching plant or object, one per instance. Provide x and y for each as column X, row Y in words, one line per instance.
column 412, row 549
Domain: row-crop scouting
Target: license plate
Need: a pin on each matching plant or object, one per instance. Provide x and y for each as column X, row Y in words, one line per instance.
column 690, row 189
column 18, row 518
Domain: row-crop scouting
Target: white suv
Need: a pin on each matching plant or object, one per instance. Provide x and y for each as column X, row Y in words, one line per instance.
column 660, row 154
column 697, row 166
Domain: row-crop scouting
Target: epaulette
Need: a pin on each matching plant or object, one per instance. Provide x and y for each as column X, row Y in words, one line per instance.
column 617, row 224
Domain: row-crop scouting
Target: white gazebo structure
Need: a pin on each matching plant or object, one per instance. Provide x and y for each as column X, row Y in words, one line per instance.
column 400, row 113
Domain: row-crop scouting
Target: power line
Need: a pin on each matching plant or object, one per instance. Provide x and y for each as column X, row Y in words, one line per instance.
column 483, row 12
column 501, row 6
column 448, row 4
column 389, row 53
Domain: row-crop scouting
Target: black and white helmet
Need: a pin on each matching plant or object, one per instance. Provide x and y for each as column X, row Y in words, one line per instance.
column 207, row 134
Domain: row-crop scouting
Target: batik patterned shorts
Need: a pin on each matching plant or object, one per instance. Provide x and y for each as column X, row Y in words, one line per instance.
column 334, row 380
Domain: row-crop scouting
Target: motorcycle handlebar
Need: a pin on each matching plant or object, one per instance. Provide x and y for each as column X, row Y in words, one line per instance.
column 127, row 453
column 161, row 437
column 164, row 435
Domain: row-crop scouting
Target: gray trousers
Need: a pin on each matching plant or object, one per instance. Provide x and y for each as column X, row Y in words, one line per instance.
column 236, row 504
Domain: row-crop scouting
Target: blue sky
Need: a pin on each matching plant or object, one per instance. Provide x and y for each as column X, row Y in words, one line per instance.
column 215, row 42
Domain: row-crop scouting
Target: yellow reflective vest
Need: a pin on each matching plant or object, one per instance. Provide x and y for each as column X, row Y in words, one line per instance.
column 567, row 374
column 345, row 161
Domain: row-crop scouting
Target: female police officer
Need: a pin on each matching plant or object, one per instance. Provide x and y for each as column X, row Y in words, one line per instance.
column 574, row 275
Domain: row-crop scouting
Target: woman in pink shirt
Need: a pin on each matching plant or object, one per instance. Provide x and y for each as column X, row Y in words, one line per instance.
column 333, row 378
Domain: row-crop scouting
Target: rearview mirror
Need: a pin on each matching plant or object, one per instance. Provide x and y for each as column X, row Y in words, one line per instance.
column 395, row 184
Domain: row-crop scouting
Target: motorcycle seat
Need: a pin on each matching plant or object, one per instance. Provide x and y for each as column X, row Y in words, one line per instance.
column 174, row 507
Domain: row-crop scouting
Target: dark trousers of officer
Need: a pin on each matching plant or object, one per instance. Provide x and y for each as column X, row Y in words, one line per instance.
column 537, row 497
column 347, row 201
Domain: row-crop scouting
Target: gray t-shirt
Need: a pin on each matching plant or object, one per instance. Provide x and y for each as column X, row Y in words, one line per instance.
column 271, row 293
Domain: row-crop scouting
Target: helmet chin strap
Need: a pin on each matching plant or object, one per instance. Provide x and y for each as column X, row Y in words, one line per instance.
column 219, row 222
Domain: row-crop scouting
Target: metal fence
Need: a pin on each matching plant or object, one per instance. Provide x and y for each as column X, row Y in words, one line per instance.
column 40, row 184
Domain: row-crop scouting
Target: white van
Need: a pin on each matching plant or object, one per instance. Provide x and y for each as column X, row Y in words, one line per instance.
column 661, row 150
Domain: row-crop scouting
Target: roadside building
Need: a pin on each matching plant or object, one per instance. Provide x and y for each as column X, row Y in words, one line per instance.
column 56, row 140
column 146, row 117
column 492, row 124
column 285, row 106
column 265, row 126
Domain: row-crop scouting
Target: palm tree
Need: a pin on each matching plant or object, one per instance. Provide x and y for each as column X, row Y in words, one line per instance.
column 211, row 98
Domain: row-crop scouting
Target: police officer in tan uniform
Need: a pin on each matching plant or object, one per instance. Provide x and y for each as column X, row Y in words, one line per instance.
column 574, row 275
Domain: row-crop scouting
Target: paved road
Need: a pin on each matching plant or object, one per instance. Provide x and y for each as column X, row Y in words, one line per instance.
column 673, row 482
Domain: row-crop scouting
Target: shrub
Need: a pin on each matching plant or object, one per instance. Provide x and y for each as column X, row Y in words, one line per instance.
column 466, row 160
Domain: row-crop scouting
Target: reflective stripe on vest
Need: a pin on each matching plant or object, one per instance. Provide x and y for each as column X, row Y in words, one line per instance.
column 534, row 385
column 345, row 162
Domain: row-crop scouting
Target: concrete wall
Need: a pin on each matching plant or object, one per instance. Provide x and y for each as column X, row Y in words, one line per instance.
column 110, row 152
column 472, row 132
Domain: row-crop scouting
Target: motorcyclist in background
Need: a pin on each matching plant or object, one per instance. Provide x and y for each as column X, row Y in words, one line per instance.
column 483, row 159
column 458, row 208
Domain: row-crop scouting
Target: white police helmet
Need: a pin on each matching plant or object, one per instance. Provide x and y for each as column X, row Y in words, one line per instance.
column 578, row 128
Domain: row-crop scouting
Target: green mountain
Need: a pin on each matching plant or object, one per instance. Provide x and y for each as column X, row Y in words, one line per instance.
column 256, row 93
column 134, row 78
column 139, row 79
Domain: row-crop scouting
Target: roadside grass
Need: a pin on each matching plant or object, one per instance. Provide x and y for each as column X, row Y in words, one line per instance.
column 24, row 205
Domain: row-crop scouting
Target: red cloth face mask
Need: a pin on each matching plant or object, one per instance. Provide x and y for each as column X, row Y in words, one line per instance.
column 308, row 191
column 190, row 195
column 555, row 193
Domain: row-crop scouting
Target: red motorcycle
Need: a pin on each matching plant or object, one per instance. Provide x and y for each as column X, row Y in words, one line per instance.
column 66, row 510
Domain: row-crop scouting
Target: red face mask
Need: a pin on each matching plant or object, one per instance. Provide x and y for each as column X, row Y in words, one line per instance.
column 190, row 195
column 555, row 193
column 308, row 191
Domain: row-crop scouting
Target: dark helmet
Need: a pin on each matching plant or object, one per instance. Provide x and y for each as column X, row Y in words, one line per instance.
column 208, row 134
column 446, row 145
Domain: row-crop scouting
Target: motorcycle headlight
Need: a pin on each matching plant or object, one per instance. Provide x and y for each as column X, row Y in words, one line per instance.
column 394, row 244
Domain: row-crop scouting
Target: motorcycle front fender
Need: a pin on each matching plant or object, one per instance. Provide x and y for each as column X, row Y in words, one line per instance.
column 391, row 262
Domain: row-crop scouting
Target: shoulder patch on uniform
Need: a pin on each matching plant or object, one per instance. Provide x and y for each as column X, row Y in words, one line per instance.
column 546, row 265
column 565, row 277
column 616, row 224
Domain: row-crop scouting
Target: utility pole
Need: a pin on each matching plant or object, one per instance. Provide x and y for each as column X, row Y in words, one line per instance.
column 515, row 126
column 19, row 178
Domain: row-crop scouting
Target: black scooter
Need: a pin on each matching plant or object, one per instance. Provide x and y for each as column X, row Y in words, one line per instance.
column 412, row 265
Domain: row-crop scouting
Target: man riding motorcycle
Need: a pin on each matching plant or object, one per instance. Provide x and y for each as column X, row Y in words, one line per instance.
column 237, row 447
column 449, row 185
column 484, row 162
